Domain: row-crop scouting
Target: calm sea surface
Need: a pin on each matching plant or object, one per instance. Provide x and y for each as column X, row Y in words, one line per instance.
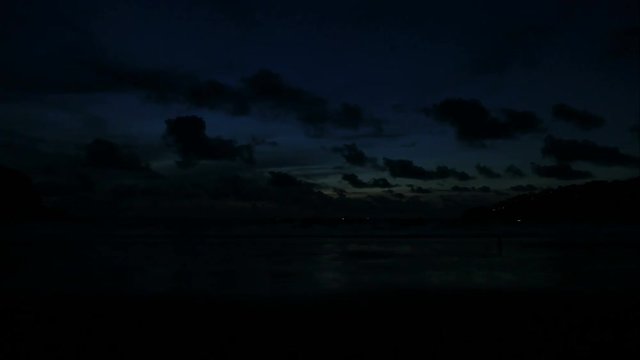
column 90, row 261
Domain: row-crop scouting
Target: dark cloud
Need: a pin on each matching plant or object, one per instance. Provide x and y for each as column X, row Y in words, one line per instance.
column 482, row 189
column 340, row 193
column 376, row 133
column 487, row 172
column 568, row 151
column 283, row 180
column 419, row 189
column 356, row 182
column 408, row 170
column 103, row 153
column 187, row 134
column 394, row 194
column 474, row 124
column 380, row 183
column 560, row 172
column 269, row 91
column 405, row 169
column 263, row 93
column 524, row 188
column 157, row 84
column 580, row 118
column 302, row 197
column 514, row 171
column 353, row 155
column 93, row 76
column 88, row 71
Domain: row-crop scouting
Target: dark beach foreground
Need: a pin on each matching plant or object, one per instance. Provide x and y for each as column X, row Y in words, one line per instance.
column 410, row 324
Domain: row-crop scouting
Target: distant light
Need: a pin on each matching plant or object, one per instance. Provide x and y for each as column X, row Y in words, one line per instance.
column 342, row 219
column 519, row 220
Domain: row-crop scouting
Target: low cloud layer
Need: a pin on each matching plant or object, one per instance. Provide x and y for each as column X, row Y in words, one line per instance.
column 487, row 172
column 408, row 170
column 579, row 118
column 262, row 93
column 187, row 135
column 283, row 180
column 376, row 183
column 465, row 189
column 475, row 124
column 419, row 189
column 568, row 151
column 514, row 171
column 353, row 155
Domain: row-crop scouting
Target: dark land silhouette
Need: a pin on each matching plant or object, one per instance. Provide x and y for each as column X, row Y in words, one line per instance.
column 596, row 202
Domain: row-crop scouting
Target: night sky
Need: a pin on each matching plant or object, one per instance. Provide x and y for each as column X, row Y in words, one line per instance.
column 377, row 108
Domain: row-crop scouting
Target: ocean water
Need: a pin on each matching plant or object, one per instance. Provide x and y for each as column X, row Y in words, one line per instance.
column 105, row 291
column 100, row 260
